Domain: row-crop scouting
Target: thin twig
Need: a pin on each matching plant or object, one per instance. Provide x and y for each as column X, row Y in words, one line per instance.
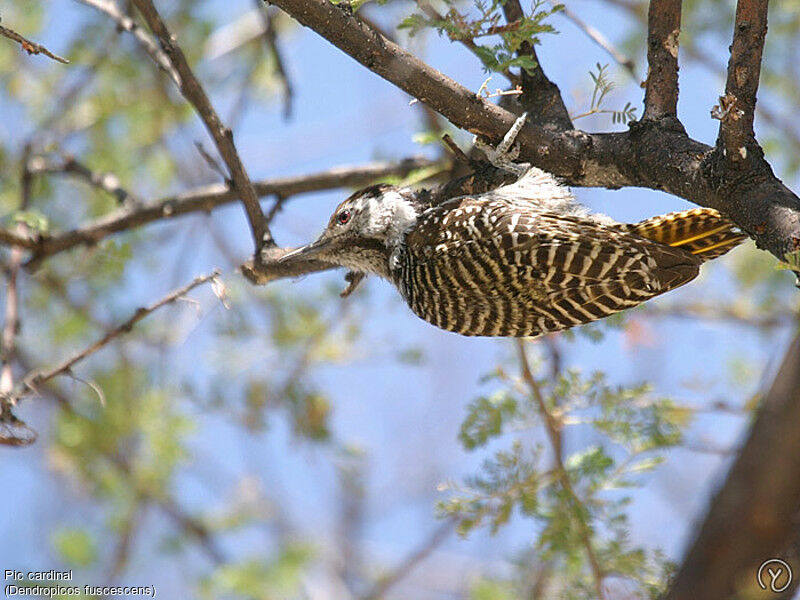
column 29, row 46
column 553, row 429
column 437, row 537
column 210, row 161
column 661, row 88
column 598, row 38
column 11, row 323
column 13, row 431
column 779, row 316
column 457, row 152
column 125, row 23
column 195, row 527
column 271, row 42
column 35, row 379
column 185, row 521
column 107, row 182
column 193, row 91
column 467, row 42
column 70, row 90
column 125, row 540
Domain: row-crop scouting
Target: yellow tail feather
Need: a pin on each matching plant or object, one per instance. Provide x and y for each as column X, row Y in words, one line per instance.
column 701, row 231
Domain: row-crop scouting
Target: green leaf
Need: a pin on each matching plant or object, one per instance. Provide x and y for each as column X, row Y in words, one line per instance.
column 485, row 418
column 33, row 219
column 75, row 546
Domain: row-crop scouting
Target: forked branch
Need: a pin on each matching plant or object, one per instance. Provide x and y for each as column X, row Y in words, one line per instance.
column 653, row 153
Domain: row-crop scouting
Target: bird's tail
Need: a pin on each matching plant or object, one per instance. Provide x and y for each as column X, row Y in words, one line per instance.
column 702, row 231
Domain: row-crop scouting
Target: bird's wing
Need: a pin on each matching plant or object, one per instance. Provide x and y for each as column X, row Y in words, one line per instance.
column 565, row 270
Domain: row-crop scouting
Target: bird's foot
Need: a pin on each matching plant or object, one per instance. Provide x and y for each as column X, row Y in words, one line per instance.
column 504, row 155
column 353, row 278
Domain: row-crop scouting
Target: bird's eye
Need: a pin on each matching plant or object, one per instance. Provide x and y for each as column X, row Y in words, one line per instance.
column 343, row 217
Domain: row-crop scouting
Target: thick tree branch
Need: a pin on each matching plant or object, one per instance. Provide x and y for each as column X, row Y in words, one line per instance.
column 387, row 59
column 223, row 137
column 761, row 498
column 204, row 199
column 737, row 107
column 652, row 154
column 663, row 29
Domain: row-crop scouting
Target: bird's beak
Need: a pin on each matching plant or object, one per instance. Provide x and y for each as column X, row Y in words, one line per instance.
column 312, row 250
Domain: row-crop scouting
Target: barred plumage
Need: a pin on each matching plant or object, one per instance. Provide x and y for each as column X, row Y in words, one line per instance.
column 521, row 260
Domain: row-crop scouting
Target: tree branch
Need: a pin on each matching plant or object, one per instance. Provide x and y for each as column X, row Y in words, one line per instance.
column 661, row 88
column 11, row 324
column 15, row 239
column 652, row 154
column 787, row 127
column 223, row 137
column 387, row 59
column 205, row 199
column 553, row 428
column 271, row 43
column 69, row 165
column 737, row 107
column 762, row 500
column 401, row 571
column 35, row 379
column 29, row 46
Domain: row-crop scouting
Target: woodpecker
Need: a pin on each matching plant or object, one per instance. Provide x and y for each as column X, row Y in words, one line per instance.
column 521, row 260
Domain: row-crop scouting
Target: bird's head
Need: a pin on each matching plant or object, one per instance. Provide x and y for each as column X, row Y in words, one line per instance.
column 364, row 229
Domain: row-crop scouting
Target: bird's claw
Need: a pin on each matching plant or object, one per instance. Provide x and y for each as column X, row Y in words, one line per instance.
column 353, row 278
column 504, row 155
